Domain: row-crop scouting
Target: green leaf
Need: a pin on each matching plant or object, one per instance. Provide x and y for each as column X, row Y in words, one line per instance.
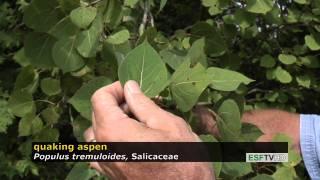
column 64, row 29
column 208, row 3
column 216, row 165
column 262, row 177
column 42, row 15
column 66, row 56
column 144, row 65
column 310, row 61
column 287, row 59
column 68, row 5
column 226, row 80
column 87, row 42
column 21, row 103
column 250, row 132
column 229, row 122
column 47, row 135
column 21, row 58
column 130, row 3
column 119, row 37
column 267, row 61
column 30, row 125
column 23, row 166
column 236, row 169
column 259, row 6
column 282, row 75
column 215, row 44
column 82, row 17
column 197, row 53
column 293, row 15
column 304, row 81
column 81, row 99
column 113, row 13
column 50, row 115
column 244, row 19
column 302, row 1
column 6, row 118
column 27, row 80
column 312, row 42
column 162, row 4
column 174, row 58
column 208, row 138
column 287, row 173
column 187, row 84
column 241, row 17
column 274, row 16
column 47, row 17
column 81, row 170
column 38, row 47
column 214, row 6
column 294, row 157
column 80, row 125
column 50, row 86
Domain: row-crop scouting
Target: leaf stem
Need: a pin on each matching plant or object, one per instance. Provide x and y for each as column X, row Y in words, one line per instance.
column 45, row 101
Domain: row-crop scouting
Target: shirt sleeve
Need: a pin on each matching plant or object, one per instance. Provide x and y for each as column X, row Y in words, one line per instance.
column 310, row 144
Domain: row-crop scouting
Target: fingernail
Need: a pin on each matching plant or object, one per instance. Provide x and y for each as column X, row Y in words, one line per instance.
column 133, row 87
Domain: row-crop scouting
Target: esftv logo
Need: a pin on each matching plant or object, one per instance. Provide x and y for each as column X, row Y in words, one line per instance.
column 267, row 157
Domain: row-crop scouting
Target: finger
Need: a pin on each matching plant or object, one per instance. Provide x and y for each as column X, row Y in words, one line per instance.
column 106, row 101
column 110, row 121
column 89, row 135
column 125, row 108
column 144, row 109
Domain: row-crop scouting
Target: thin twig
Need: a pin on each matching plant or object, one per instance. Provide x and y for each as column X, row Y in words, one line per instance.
column 144, row 19
column 94, row 2
column 151, row 19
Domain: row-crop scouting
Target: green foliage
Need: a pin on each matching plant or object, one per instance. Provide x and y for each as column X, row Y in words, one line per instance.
column 226, row 80
column 83, row 16
column 6, row 118
column 38, row 48
column 81, row 99
column 144, row 65
column 229, row 120
column 50, row 86
column 259, row 6
column 65, row 55
column 81, row 171
column 187, row 84
column 119, row 37
column 230, row 55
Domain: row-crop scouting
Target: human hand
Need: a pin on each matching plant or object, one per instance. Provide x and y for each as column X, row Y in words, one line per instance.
column 111, row 123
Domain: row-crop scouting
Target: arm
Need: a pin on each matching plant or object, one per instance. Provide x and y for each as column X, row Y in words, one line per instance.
column 304, row 130
column 270, row 122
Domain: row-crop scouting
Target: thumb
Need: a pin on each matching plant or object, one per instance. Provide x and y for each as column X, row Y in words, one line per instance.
column 142, row 107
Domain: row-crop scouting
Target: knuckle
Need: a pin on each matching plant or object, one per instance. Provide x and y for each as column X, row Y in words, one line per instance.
column 96, row 96
column 179, row 127
column 144, row 101
column 179, row 122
